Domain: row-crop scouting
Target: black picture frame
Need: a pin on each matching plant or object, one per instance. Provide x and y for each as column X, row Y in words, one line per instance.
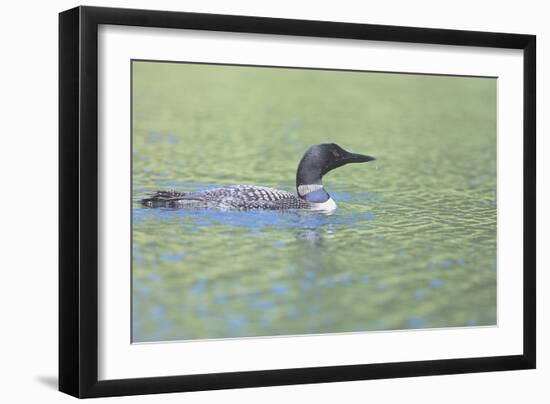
column 78, row 200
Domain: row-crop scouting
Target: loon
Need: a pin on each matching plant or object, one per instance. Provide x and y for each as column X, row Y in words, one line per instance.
column 318, row 160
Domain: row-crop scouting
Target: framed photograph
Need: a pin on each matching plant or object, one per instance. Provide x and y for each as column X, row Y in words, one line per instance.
column 249, row 201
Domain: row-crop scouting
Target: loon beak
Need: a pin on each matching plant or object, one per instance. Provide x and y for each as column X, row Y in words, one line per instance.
column 357, row 158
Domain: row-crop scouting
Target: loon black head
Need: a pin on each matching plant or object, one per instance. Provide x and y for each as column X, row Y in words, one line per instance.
column 318, row 160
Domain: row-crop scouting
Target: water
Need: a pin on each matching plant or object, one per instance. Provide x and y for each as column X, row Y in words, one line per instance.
column 412, row 244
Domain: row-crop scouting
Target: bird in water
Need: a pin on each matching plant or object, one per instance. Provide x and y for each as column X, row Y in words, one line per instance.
column 318, row 160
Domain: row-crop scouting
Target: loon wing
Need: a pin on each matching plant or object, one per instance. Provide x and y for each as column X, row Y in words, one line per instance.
column 164, row 199
column 240, row 197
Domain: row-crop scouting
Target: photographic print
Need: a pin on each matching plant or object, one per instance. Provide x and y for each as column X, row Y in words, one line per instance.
column 276, row 201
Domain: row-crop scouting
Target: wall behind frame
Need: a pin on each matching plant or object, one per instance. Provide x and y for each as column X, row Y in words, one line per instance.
column 28, row 208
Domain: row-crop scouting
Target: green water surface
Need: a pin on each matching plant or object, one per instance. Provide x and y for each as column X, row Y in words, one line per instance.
column 412, row 244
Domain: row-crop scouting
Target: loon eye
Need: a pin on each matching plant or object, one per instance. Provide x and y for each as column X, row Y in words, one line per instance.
column 335, row 153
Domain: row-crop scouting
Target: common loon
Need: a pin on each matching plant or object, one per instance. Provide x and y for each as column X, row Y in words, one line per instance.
column 318, row 160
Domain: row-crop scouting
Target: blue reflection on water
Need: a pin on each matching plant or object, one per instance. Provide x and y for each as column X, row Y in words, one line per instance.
column 305, row 285
column 157, row 311
column 171, row 256
column 447, row 264
column 279, row 244
column 419, row 294
column 416, row 322
column 253, row 219
column 256, row 220
column 279, row 289
column 263, row 304
column 199, row 286
column 310, row 274
column 221, row 299
column 237, row 320
column 345, row 279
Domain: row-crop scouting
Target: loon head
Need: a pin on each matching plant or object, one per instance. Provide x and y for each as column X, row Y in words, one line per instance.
column 318, row 160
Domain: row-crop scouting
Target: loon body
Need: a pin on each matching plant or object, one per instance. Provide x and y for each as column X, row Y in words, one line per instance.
column 318, row 160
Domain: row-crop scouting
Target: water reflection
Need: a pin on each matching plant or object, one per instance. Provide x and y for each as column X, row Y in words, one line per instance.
column 298, row 292
column 412, row 244
column 326, row 269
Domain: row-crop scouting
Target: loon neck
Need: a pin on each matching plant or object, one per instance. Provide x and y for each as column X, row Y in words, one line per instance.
column 308, row 181
column 309, row 177
column 309, row 185
column 314, row 193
